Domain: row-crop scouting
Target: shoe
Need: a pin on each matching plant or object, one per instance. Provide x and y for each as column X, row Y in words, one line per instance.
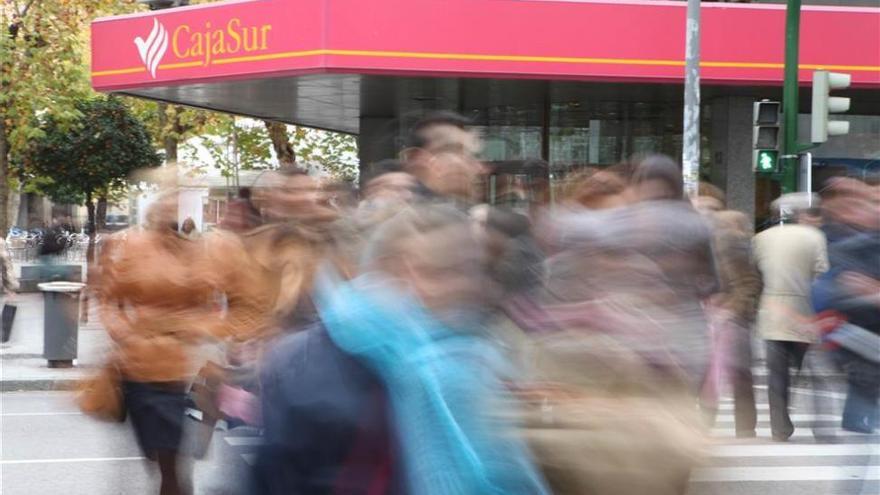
column 777, row 437
column 858, row 428
column 746, row 434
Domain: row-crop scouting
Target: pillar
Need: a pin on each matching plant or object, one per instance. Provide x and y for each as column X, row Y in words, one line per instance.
column 377, row 140
column 731, row 145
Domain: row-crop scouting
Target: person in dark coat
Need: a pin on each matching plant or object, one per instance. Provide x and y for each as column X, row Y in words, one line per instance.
column 852, row 288
column 855, row 293
column 326, row 422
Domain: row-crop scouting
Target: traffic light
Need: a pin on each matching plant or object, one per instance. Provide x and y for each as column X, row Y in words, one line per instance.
column 766, row 161
column 825, row 104
column 765, row 137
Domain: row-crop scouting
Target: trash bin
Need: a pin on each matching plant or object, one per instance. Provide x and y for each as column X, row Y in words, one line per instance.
column 60, row 322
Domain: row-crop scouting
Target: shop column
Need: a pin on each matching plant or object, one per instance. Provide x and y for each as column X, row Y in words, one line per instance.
column 377, row 140
column 731, row 144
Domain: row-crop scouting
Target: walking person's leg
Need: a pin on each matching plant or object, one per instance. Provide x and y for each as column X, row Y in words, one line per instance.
column 156, row 412
column 861, row 412
column 778, row 380
column 745, row 414
column 818, row 365
column 170, row 485
column 710, row 390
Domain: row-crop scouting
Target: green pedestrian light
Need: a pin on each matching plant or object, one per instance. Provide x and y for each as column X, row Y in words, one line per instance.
column 766, row 161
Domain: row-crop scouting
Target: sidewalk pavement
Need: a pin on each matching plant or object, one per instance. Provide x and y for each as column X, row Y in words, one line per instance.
column 22, row 366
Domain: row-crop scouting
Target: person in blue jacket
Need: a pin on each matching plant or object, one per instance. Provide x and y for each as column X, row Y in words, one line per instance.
column 413, row 317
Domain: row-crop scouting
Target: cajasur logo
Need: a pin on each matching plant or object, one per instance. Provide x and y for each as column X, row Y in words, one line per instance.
column 153, row 49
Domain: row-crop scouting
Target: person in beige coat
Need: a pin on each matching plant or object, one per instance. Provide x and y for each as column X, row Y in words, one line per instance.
column 789, row 256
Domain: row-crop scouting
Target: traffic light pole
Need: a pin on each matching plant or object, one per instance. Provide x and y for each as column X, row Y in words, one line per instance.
column 790, row 99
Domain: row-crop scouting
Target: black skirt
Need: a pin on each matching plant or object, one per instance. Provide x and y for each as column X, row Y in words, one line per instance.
column 156, row 411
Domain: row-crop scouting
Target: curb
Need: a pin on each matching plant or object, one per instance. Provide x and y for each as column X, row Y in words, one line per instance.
column 65, row 384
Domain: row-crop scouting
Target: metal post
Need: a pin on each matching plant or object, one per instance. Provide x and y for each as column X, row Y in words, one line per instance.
column 691, row 132
column 790, row 99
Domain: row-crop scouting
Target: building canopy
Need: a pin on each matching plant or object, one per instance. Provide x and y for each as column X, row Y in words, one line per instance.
column 307, row 61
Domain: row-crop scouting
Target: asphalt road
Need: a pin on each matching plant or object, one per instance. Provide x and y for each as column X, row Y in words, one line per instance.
column 49, row 448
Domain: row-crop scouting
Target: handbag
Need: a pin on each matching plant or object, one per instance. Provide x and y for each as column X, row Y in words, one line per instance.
column 599, row 420
column 100, row 396
column 6, row 320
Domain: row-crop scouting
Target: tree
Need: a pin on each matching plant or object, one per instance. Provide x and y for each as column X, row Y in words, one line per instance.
column 233, row 144
column 335, row 152
column 91, row 159
column 171, row 125
column 43, row 71
column 281, row 143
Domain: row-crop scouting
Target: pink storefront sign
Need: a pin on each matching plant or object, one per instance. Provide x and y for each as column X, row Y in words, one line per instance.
column 562, row 40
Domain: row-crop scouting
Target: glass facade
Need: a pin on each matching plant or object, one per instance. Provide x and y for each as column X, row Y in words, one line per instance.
column 571, row 125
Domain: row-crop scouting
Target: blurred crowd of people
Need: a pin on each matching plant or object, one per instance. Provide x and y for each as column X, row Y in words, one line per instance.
column 414, row 339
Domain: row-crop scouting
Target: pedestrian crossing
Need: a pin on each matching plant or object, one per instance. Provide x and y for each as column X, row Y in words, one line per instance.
column 841, row 462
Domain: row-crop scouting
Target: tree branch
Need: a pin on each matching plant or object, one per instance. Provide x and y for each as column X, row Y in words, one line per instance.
column 27, row 7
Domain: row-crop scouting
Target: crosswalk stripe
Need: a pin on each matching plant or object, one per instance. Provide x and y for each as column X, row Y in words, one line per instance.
column 73, row 459
column 786, row 473
column 827, row 374
column 240, row 441
column 729, row 418
column 55, row 413
column 803, row 431
column 808, row 391
column 728, row 406
column 796, row 450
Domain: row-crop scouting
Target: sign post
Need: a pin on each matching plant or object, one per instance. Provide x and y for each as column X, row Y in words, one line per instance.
column 805, row 175
column 691, row 136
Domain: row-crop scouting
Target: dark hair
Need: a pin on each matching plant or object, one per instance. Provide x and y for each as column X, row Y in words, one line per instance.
column 381, row 167
column 440, row 117
column 508, row 222
column 660, row 168
column 188, row 222
column 244, row 193
column 536, row 168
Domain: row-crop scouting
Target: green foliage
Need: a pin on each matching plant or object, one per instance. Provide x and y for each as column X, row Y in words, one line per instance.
column 94, row 156
column 174, row 123
column 44, row 65
column 334, row 151
column 232, row 144
column 226, row 139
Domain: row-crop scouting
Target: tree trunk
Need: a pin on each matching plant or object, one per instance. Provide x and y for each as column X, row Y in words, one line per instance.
column 90, row 256
column 170, row 145
column 90, row 226
column 281, row 143
column 13, row 206
column 5, row 221
column 101, row 214
column 169, row 133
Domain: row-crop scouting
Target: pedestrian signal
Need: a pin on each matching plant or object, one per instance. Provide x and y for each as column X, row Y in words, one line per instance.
column 766, row 161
